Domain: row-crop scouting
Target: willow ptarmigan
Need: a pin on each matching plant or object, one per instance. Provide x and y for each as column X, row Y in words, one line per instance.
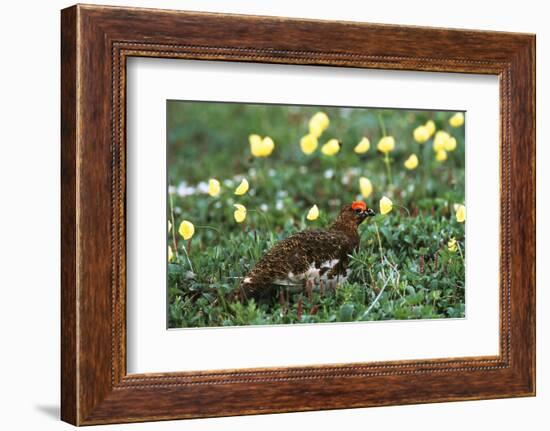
column 313, row 254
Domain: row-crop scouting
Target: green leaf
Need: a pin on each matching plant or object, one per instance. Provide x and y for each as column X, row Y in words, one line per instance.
column 346, row 312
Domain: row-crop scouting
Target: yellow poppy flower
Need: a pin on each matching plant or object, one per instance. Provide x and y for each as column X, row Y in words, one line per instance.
column 452, row 245
column 313, row 213
column 315, row 129
column 255, row 142
column 412, row 162
column 450, row 144
column 363, row 146
column 240, row 213
column 170, row 254
column 441, row 155
column 386, row 205
column 430, row 125
column 242, row 188
column 365, row 186
column 460, row 214
column 440, row 140
column 318, row 124
column 213, row 187
column 421, row 134
column 308, row 143
column 187, row 229
column 331, row 147
column 261, row 147
column 457, row 119
column 386, row 144
column 268, row 146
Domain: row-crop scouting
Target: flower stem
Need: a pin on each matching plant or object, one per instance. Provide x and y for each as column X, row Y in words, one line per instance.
column 382, row 124
column 380, row 249
column 187, row 257
column 404, row 208
column 264, row 217
column 174, row 242
column 460, row 251
column 209, row 227
column 387, row 162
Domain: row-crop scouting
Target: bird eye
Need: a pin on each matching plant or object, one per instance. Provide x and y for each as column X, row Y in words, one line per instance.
column 357, row 210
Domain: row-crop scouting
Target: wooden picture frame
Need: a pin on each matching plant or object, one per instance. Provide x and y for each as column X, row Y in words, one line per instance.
column 96, row 41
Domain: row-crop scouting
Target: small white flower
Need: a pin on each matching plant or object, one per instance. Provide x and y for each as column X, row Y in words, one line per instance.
column 264, row 207
column 279, row 205
column 329, row 173
column 302, row 170
column 202, row 187
column 185, row 190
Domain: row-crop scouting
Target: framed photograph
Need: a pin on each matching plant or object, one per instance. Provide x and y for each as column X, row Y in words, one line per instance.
column 343, row 210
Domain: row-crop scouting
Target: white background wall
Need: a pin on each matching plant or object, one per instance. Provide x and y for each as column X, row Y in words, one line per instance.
column 29, row 214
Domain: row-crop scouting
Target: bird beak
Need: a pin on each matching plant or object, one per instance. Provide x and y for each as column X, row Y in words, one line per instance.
column 364, row 214
column 369, row 212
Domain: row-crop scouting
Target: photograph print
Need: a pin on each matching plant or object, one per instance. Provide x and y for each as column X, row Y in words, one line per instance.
column 287, row 214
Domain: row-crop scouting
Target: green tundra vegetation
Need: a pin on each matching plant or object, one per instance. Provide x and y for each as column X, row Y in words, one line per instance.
column 243, row 176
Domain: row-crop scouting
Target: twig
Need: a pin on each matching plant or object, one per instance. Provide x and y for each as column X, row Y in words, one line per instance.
column 383, row 259
column 376, row 299
column 393, row 266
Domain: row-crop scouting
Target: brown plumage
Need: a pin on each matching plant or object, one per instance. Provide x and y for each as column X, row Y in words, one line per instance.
column 310, row 255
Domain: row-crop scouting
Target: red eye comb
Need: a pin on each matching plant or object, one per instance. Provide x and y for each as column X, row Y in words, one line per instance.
column 359, row 205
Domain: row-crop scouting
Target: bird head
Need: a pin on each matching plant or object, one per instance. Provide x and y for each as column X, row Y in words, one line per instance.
column 354, row 214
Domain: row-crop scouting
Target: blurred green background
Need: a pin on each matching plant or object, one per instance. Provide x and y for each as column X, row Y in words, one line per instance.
column 422, row 277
